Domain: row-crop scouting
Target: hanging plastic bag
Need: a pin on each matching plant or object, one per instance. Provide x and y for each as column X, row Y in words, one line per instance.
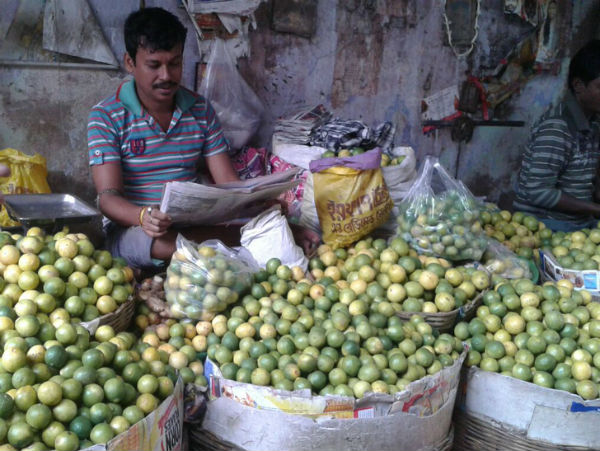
column 440, row 216
column 206, row 278
column 237, row 106
column 351, row 197
column 27, row 175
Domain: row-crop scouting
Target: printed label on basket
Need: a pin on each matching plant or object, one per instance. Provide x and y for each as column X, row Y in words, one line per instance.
column 161, row 430
column 429, row 394
column 582, row 280
column 579, row 407
column 299, row 402
column 367, row 412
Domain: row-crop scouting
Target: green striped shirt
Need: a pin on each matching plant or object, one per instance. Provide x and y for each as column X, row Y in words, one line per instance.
column 561, row 157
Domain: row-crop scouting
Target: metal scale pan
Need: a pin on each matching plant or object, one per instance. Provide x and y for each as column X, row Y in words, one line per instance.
column 48, row 210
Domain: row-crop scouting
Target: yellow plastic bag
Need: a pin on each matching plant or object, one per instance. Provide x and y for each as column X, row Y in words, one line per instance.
column 27, row 175
column 351, row 197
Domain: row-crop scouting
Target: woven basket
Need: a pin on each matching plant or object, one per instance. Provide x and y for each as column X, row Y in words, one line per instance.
column 120, row 319
column 201, row 440
column 475, row 434
column 445, row 321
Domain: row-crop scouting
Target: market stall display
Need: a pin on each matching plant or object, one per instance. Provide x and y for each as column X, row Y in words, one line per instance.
column 368, row 330
column 281, row 337
column 332, row 336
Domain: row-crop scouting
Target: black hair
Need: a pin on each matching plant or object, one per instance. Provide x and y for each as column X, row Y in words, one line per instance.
column 152, row 29
column 585, row 65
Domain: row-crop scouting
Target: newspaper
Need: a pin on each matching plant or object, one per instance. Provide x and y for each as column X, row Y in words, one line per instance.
column 195, row 203
column 297, row 128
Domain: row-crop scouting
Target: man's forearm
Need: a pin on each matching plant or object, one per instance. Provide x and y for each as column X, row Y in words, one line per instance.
column 119, row 210
column 572, row 205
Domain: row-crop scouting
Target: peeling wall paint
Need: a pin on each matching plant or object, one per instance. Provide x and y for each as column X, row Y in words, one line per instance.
column 369, row 60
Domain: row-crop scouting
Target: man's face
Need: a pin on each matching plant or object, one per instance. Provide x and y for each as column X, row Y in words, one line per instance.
column 588, row 95
column 157, row 74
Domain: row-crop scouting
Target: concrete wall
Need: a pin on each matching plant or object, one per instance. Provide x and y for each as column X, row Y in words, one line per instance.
column 369, row 60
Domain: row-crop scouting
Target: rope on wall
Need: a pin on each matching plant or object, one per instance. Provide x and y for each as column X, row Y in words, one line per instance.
column 449, row 32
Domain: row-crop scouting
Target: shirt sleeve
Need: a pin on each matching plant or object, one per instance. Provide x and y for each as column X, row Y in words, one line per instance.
column 547, row 154
column 103, row 139
column 215, row 142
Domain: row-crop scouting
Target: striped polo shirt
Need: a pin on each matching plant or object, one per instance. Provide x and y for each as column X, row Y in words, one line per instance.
column 561, row 157
column 121, row 130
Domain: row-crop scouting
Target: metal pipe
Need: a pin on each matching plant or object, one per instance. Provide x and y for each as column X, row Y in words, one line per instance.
column 51, row 65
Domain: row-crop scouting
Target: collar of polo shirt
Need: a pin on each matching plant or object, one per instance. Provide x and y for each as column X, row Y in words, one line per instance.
column 184, row 98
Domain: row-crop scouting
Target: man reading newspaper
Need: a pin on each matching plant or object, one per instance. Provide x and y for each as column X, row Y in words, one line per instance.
column 153, row 131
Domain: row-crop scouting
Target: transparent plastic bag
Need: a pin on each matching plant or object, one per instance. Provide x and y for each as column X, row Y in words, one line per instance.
column 500, row 260
column 237, row 106
column 205, row 278
column 439, row 216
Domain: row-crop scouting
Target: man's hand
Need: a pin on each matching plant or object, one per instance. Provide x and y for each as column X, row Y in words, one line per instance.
column 305, row 238
column 155, row 223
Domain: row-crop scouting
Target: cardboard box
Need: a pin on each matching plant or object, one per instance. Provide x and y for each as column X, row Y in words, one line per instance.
column 539, row 413
column 262, row 418
column 161, row 430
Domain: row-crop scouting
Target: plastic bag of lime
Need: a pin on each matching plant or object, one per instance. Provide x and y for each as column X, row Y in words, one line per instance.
column 500, row 260
column 206, row 277
column 440, row 216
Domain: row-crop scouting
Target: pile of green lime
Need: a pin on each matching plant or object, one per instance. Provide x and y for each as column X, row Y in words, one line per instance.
column 394, row 278
column 62, row 389
column 578, row 250
column 519, row 232
column 445, row 225
column 204, row 281
column 330, row 336
column 184, row 341
column 61, row 277
column 548, row 335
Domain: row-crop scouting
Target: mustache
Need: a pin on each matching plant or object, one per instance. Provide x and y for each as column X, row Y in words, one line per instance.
column 166, row 85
